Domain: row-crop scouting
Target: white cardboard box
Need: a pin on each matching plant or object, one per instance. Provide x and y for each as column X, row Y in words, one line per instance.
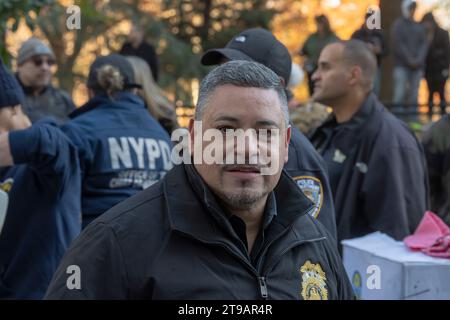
column 381, row 268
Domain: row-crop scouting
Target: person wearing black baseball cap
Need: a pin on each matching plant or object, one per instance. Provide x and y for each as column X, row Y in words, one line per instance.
column 305, row 165
column 122, row 148
column 40, row 174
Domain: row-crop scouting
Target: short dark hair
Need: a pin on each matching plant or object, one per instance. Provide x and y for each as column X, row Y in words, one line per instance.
column 357, row 52
column 241, row 73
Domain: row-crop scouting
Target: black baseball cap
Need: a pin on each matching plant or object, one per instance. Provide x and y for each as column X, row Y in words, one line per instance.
column 115, row 60
column 254, row 44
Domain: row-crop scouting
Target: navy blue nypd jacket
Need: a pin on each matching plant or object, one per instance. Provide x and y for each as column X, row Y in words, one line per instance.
column 309, row 171
column 122, row 150
column 43, row 214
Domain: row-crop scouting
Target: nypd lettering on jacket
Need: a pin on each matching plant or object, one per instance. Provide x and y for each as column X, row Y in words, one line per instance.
column 138, row 153
column 122, row 150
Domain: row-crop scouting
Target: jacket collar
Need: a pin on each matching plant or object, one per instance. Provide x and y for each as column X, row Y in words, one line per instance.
column 122, row 99
column 192, row 207
column 366, row 121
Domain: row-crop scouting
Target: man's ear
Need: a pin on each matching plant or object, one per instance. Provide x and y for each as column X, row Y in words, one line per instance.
column 286, row 143
column 355, row 75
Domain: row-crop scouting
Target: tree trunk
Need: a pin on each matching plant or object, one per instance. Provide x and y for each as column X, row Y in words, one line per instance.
column 390, row 11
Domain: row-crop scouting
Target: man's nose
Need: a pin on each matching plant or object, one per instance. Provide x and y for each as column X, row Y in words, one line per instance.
column 251, row 148
column 45, row 66
column 315, row 76
column 248, row 151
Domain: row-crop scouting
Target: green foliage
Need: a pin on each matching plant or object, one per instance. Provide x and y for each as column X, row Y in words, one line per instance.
column 218, row 24
column 17, row 10
column 181, row 37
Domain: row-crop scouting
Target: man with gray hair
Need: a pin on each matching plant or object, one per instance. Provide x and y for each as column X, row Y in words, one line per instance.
column 214, row 231
column 305, row 165
column 376, row 165
column 34, row 63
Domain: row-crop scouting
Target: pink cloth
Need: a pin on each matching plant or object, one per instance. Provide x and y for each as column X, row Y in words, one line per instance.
column 432, row 237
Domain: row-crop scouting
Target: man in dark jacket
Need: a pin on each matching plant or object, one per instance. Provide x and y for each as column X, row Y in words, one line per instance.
column 214, row 231
column 34, row 74
column 305, row 165
column 137, row 46
column 437, row 63
column 376, row 165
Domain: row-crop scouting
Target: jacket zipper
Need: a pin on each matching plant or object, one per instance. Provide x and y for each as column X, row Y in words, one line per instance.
column 263, row 288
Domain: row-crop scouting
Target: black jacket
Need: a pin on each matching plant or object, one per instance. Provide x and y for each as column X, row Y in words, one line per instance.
column 307, row 168
column 438, row 57
column 173, row 241
column 377, row 172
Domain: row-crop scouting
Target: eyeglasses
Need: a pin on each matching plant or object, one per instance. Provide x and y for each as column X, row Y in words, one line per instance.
column 39, row 61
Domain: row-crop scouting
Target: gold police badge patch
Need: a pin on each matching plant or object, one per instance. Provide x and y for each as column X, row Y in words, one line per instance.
column 313, row 282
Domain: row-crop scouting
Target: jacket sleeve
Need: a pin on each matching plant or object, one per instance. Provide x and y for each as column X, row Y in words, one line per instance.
column 303, row 155
column 304, row 51
column 45, row 148
column 422, row 51
column 446, row 48
column 81, row 142
column 92, row 268
column 327, row 214
column 395, row 190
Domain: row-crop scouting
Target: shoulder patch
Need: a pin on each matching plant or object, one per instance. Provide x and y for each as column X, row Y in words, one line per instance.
column 7, row 185
column 313, row 282
column 312, row 188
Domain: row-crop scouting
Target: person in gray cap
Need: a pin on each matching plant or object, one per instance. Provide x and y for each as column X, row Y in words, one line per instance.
column 305, row 165
column 34, row 73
